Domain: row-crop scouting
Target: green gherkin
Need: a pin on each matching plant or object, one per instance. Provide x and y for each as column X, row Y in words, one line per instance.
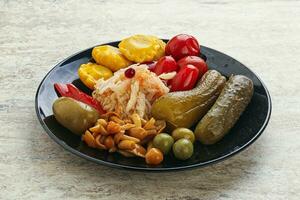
column 186, row 108
column 232, row 101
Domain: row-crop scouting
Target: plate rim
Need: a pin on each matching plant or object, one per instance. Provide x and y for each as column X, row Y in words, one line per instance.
column 151, row 169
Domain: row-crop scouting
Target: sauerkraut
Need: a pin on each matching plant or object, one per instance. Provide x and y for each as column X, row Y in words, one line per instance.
column 130, row 95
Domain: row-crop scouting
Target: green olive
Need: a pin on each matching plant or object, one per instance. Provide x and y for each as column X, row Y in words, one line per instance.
column 163, row 142
column 183, row 149
column 74, row 115
column 186, row 133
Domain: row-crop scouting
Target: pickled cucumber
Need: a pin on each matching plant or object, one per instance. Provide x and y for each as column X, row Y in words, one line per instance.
column 232, row 101
column 186, row 108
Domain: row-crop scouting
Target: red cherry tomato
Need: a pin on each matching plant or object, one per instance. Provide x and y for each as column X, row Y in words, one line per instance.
column 165, row 64
column 185, row 79
column 182, row 45
column 151, row 65
column 196, row 61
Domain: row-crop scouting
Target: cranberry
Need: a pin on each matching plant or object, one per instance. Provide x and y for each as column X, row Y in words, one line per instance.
column 129, row 73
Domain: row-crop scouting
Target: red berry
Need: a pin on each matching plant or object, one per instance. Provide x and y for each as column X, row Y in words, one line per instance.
column 129, row 73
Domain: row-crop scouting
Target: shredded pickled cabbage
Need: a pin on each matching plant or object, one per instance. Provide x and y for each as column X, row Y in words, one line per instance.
column 130, row 95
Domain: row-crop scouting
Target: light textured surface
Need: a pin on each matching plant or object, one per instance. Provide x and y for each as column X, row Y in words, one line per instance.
column 34, row 36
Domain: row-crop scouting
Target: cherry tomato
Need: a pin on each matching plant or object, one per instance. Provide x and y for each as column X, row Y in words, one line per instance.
column 151, row 65
column 182, row 45
column 154, row 156
column 196, row 61
column 185, row 79
column 165, row 64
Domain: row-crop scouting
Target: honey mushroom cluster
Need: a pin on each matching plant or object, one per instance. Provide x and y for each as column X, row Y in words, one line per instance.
column 130, row 137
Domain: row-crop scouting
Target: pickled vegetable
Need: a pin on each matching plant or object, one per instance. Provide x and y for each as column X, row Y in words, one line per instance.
column 233, row 100
column 142, row 48
column 186, row 133
column 196, row 61
column 163, row 142
column 185, row 79
column 110, row 57
column 186, row 108
column 89, row 73
column 182, row 45
column 183, row 149
column 69, row 90
column 165, row 64
column 161, row 51
column 74, row 115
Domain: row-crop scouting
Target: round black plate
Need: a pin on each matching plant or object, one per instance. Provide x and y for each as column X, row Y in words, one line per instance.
column 248, row 128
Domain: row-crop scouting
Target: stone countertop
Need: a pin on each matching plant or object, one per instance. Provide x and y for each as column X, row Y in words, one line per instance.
column 35, row 35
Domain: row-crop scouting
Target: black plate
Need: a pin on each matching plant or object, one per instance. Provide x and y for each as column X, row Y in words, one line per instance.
column 248, row 128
